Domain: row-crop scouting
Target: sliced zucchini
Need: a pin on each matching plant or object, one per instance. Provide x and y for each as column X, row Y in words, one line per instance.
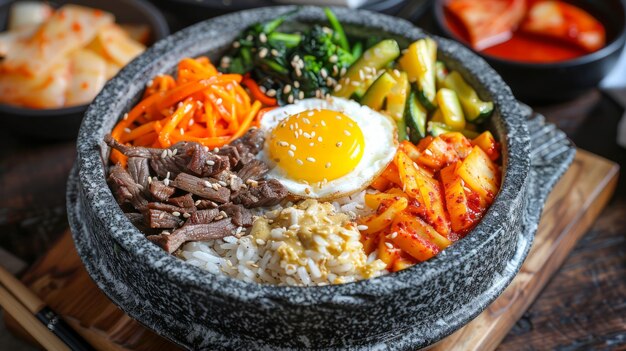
column 476, row 110
column 451, row 109
column 402, row 130
column 415, row 117
column 378, row 91
column 441, row 72
column 419, row 63
column 437, row 128
column 374, row 58
column 396, row 100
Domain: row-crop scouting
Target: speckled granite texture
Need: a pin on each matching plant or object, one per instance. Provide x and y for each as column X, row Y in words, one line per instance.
column 405, row 310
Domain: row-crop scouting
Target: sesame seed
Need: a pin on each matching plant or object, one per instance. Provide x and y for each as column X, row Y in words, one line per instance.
column 149, row 180
column 292, row 147
column 330, row 82
column 355, row 84
column 333, row 59
column 290, row 153
column 361, row 75
column 323, row 73
column 165, row 232
column 319, row 139
column 215, row 186
column 262, row 37
column 260, row 241
column 428, row 152
column 323, row 123
column 359, row 206
column 347, row 81
column 164, row 153
column 222, row 183
column 343, row 71
column 337, row 87
column 271, row 93
column 253, row 183
column 290, row 98
column 236, row 44
column 216, row 150
column 217, row 219
column 339, row 144
column 198, row 202
column 263, row 89
column 275, row 52
column 306, row 135
column 296, row 84
column 328, row 165
column 396, row 72
column 125, row 116
column 207, row 184
column 393, row 235
column 299, row 161
column 210, row 162
column 310, row 159
column 301, row 95
column 287, row 89
column 346, row 133
column 306, row 120
column 389, row 245
column 169, row 153
column 362, row 227
column 186, row 215
column 182, row 131
column 191, row 121
column 337, row 117
column 176, row 213
column 283, row 143
column 311, row 144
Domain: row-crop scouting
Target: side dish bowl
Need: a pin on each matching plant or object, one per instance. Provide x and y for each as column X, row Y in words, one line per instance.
column 198, row 310
column 555, row 81
column 63, row 123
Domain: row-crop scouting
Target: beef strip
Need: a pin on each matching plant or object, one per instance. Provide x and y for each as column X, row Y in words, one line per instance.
column 239, row 215
column 139, row 170
column 254, row 170
column 125, row 188
column 243, row 150
column 203, row 216
column 204, row 163
column 170, row 208
column 160, row 191
column 205, row 204
column 231, row 153
column 202, row 188
column 185, row 201
column 193, row 232
column 163, row 219
column 138, row 220
column 265, row 193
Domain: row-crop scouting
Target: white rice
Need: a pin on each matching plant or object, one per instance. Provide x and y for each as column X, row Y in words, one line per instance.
column 264, row 261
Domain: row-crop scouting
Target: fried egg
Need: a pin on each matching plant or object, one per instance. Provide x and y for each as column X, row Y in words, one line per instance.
column 325, row 149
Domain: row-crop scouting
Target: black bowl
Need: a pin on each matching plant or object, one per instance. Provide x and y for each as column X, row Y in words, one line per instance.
column 63, row 123
column 542, row 82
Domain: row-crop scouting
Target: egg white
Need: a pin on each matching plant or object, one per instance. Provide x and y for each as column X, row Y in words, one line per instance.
column 380, row 139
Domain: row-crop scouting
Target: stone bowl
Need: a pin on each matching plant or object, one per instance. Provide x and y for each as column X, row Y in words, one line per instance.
column 199, row 310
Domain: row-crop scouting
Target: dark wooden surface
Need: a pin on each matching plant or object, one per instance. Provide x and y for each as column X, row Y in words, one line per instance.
column 583, row 307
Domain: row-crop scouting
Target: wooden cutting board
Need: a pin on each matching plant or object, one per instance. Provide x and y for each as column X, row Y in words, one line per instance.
column 60, row 279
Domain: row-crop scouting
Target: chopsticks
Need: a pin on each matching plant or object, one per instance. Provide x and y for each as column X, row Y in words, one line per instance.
column 36, row 318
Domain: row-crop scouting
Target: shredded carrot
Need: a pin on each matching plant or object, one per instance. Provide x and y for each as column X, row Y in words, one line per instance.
column 198, row 104
column 257, row 93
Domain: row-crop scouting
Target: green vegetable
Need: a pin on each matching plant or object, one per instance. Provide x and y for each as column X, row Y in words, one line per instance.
column 376, row 94
column 287, row 39
column 376, row 57
column 441, row 72
column 451, row 109
column 339, row 34
column 438, row 128
column 402, row 130
column 476, row 110
column 419, row 63
column 398, row 96
column 415, row 117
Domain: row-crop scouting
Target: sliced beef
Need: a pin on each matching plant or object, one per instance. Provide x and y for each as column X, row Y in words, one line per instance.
column 138, row 220
column 265, row 193
column 205, row 204
column 193, row 232
column 239, row 215
column 202, row 188
column 163, row 219
column 125, row 188
column 203, row 216
column 185, row 201
column 170, row 208
column 251, row 142
column 254, row 170
column 139, row 170
column 160, row 191
column 204, row 163
column 231, row 153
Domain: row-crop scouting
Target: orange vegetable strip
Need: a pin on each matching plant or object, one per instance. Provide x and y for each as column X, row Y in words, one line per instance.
column 139, row 109
column 146, row 140
column 244, row 96
column 137, row 132
column 164, row 136
column 181, row 92
column 118, row 157
column 219, row 107
column 210, row 119
column 257, row 93
column 209, row 142
column 245, row 125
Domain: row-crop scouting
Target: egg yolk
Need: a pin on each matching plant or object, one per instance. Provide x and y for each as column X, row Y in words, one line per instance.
column 316, row 145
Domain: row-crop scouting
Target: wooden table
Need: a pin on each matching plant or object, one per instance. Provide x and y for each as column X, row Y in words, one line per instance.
column 581, row 308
